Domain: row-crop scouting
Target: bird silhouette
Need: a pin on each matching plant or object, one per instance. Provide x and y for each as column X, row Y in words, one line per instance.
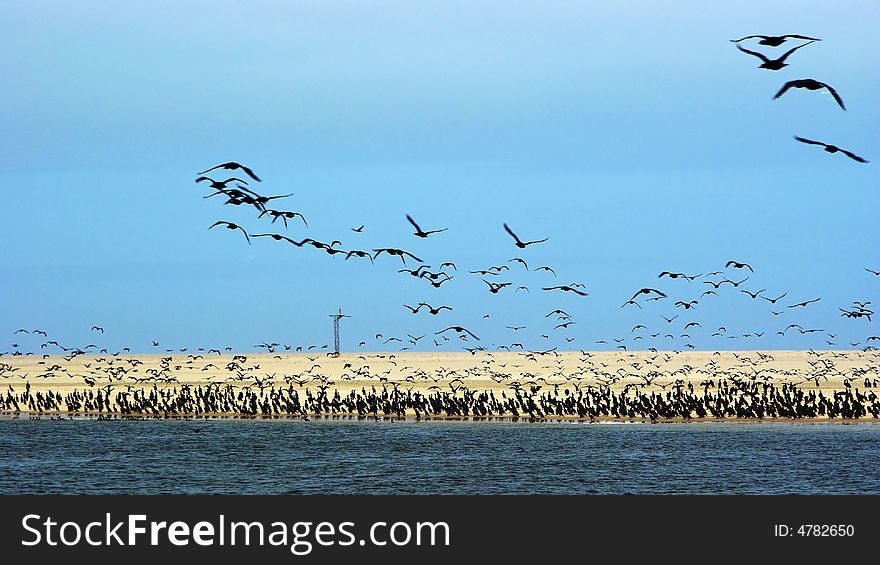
column 232, row 165
column 231, row 226
column 519, row 243
column 494, row 288
column 832, row 148
column 772, row 64
column 775, row 40
column 566, row 288
column 803, row 304
column 419, row 232
column 809, row 84
column 396, row 252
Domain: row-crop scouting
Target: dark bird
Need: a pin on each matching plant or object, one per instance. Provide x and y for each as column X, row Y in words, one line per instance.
column 98, row 329
column 231, row 226
column 809, row 84
column 414, row 310
column 432, row 310
column 357, row 253
column 522, row 261
column 566, row 288
column 686, row 305
column 669, row 320
column 283, row 215
column 358, row 230
column 754, row 295
column 220, row 184
column 232, row 165
column 519, row 243
column 648, row 291
column 548, row 269
column 775, row 40
column 676, row 275
column 773, row 64
column 460, row 330
column 278, row 237
column 738, row 265
column 832, row 149
column 419, row 232
column 775, row 300
column 448, row 264
column 494, row 288
column 873, row 272
column 397, row 252
column 805, row 303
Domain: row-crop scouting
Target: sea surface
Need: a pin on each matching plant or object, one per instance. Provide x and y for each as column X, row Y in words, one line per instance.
column 352, row 457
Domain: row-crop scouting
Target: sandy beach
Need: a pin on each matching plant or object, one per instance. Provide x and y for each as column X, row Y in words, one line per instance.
column 446, row 374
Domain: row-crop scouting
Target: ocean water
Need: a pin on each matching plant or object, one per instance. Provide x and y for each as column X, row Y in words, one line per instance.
column 351, row 457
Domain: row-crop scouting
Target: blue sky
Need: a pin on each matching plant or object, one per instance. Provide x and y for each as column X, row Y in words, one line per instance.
column 634, row 136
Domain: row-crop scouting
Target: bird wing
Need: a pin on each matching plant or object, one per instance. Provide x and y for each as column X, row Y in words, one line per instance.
column 790, row 51
column 853, row 156
column 748, row 37
column 755, row 53
column 795, row 36
column 413, row 222
column 211, row 169
column 810, row 141
column 785, row 87
column 835, row 95
column 250, row 173
column 513, row 235
column 218, row 223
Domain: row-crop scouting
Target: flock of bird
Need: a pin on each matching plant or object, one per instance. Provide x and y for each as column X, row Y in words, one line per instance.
column 652, row 385
column 805, row 83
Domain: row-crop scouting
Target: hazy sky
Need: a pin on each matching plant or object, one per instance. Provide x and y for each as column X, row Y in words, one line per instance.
column 635, row 136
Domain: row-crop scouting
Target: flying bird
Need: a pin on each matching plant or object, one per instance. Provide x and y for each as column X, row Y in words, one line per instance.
column 519, row 243
column 775, row 40
column 773, row 64
column 805, row 303
column 809, row 84
column 566, row 288
column 232, row 165
column 738, row 265
column 832, row 148
column 419, row 232
column 398, row 252
column 460, row 330
column 231, row 226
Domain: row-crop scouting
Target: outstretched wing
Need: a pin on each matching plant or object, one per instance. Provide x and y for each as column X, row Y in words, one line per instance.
column 835, row 95
column 413, row 222
column 810, row 141
column 795, row 36
column 790, row 51
column 853, row 156
column 755, row 53
column 784, row 88
column 250, row 173
column 748, row 37
column 513, row 235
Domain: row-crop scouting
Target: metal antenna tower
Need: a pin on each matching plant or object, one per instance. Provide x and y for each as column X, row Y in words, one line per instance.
column 336, row 318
